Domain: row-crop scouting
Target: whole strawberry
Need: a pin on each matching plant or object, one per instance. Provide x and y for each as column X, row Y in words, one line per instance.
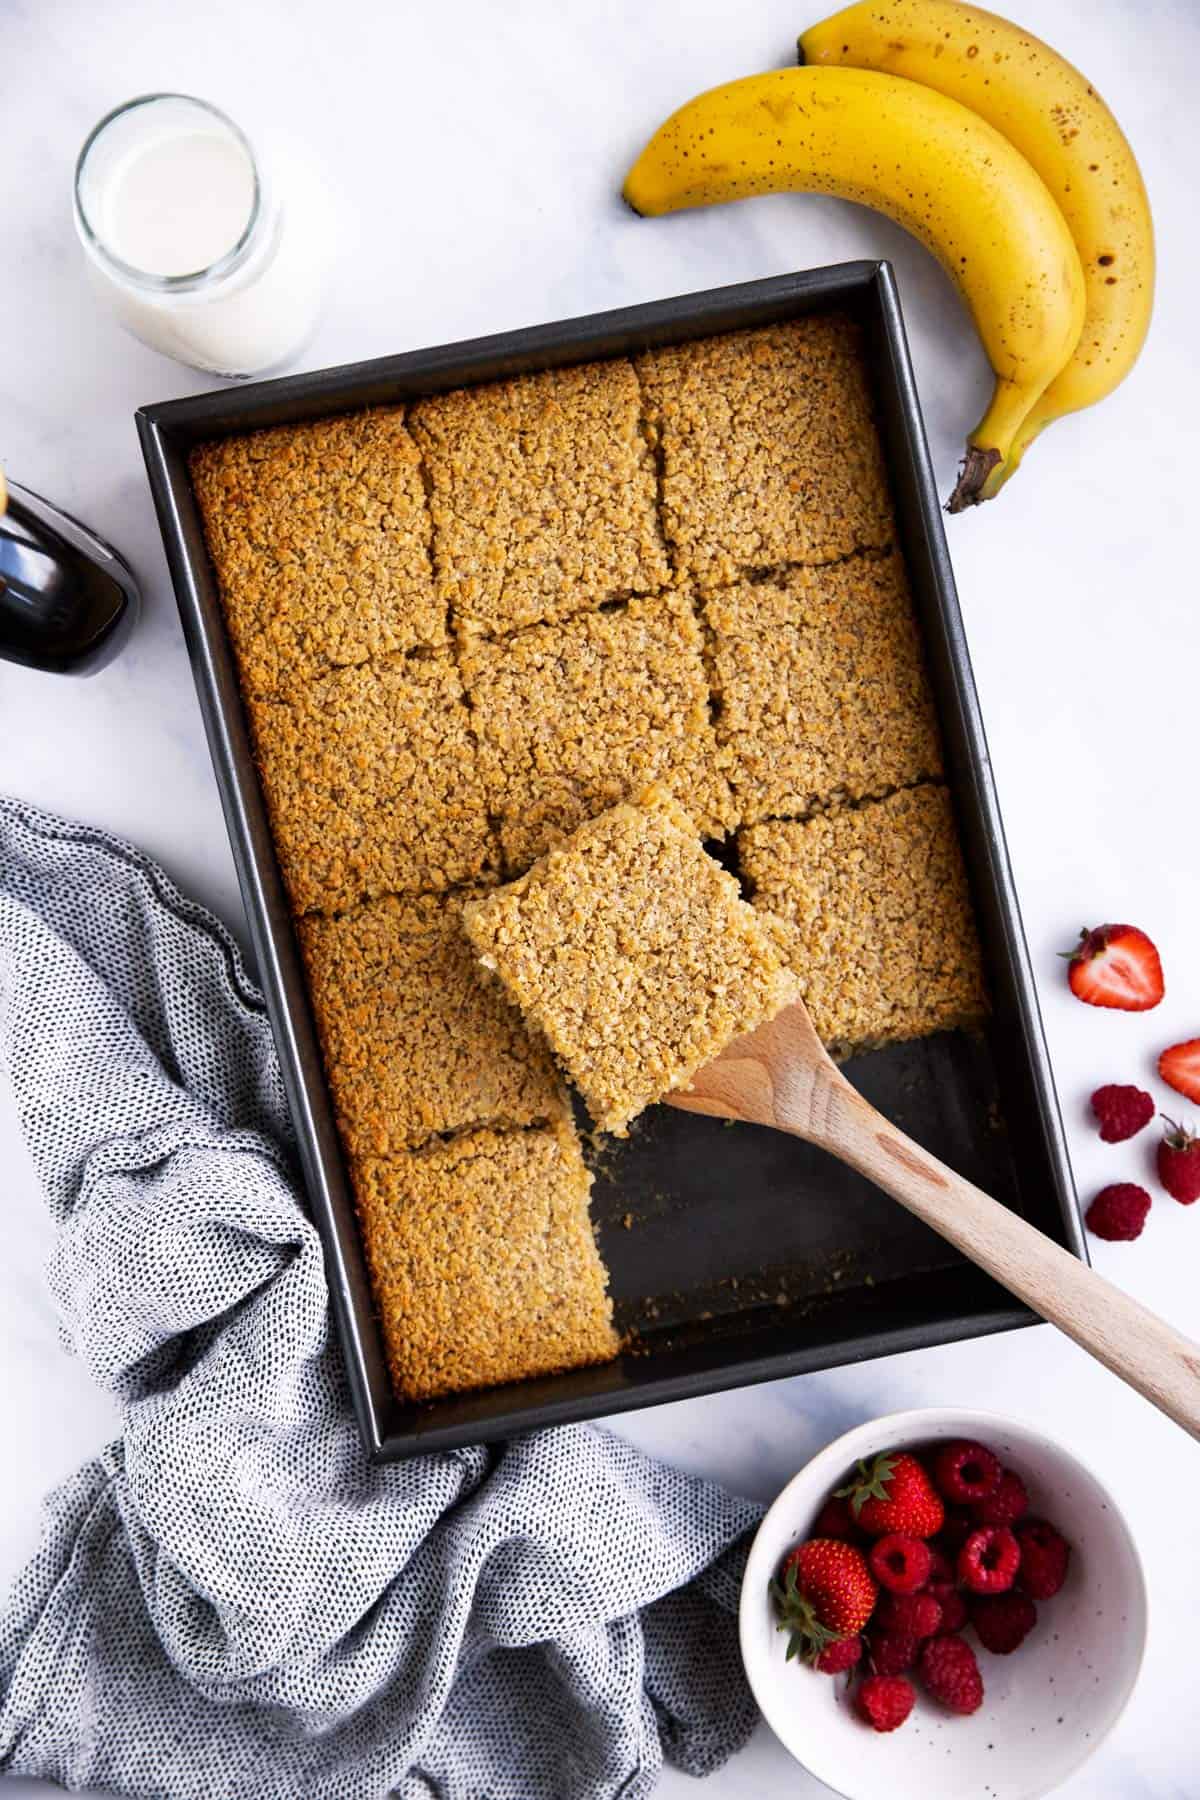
column 949, row 1671
column 824, row 1591
column 894, row 1494
column 1179, row 1164
column 1121, row 1111
column 885, row 1701
column 1116, row 965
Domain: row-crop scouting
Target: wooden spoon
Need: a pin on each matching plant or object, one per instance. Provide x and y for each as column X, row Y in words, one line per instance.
column 781, row 1075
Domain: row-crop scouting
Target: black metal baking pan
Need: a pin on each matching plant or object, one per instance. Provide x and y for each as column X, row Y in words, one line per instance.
column 736, row 1255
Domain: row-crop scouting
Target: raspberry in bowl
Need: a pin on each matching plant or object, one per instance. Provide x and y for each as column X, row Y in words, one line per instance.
column 1008, row 1619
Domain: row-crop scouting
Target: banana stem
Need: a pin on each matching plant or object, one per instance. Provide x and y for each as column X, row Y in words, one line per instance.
column 1038, row 418
column 969, row 489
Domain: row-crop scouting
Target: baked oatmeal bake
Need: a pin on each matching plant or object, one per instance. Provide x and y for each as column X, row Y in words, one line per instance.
column 633, row 953
column 372, row 783
column 542, row 492
column 472, row 632
column 821, row 686
column 321, row 538
column 768, row 448
column 416, row 1041
column 483, row 1260
column 874, row 916
column 571, row 718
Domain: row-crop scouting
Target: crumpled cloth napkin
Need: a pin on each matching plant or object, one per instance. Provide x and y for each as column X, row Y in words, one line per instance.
column 232, row 1601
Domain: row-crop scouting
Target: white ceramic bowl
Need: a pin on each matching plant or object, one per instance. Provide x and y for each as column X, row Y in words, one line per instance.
column 1045, row 1708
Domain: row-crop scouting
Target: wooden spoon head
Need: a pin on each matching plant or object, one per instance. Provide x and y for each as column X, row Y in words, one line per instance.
column 770, row 1076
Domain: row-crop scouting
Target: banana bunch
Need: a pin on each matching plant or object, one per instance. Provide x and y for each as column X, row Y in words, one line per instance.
column 984, row 144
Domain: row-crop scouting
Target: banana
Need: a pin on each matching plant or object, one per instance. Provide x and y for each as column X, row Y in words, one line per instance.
column 1059, row 123
column 932, row 165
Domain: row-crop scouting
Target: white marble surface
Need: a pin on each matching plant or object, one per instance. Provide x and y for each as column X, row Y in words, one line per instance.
column 477, row 150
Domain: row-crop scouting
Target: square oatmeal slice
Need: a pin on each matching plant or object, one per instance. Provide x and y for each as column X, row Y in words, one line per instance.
column 483, row 1261
column 872, row 911
column 417, row 1041
column 543, row 496
column 574, row 717
column 768, row 448
column 821, row 685
column 372, row 784
column 633, row 953
column 320, row 538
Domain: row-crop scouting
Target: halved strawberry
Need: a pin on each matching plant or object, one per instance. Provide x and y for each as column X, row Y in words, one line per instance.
column 1116, row 965
column 1180, row 1068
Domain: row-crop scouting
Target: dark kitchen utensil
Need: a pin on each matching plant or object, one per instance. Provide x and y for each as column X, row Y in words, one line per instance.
column 67, row 600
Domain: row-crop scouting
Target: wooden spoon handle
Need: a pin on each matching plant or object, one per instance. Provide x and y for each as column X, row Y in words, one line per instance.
column 1155, row 1359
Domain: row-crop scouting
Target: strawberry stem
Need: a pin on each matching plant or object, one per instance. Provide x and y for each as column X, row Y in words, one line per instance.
column 807, row 1636
column 871, row 1483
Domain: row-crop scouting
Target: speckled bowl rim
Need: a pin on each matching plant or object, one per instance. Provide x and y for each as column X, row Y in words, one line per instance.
column 913, row 1426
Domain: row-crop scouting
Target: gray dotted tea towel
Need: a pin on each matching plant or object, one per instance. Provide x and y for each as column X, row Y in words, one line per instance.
column 232, row 1603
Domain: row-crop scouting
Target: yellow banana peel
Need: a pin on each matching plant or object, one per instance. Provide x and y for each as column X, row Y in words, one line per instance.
column 929, row 163
column 1053, row 115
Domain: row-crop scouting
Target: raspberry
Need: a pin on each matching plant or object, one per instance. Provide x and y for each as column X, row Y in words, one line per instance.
column 885, row 1701
column 900, row 1563
column 949, row 1672
column 919, row 1614
column 839, row 1656
column 1009, row 1503
column 835, row 1520
column 1045, row 1554
column 963, row 1472
column 954, row 1607
column 1003, row 1621
column 940, row 1566
column 1178, row 1163
column 1118, row 1213
column 988, row 1561
column 957, row 1529
column 894, row 1652
column 1121, row 1111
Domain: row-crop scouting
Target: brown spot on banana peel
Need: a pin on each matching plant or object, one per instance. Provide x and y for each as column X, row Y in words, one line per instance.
column 779, row 110
column 968, row 490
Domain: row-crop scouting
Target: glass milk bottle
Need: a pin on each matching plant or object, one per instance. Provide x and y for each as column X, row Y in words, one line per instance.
column 194, row 244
